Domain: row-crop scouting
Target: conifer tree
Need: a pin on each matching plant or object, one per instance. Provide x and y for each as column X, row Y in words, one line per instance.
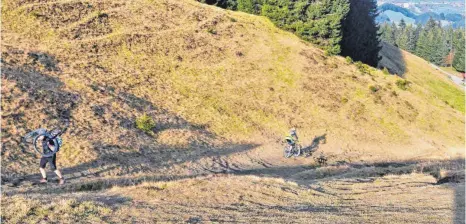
column 387, row 34
column 395, row 33
column 411, row 43
column 402, row 24
column 360, row 32
column 458, row 60
column 422, row 45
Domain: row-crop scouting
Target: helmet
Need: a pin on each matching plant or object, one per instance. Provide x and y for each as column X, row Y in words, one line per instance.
column 289, row 139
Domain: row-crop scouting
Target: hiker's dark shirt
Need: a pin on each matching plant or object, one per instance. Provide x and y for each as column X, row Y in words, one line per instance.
column 46, row 148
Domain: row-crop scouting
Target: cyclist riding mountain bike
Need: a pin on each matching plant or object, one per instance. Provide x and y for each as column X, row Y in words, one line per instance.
column 293, row 147
column 292, row 138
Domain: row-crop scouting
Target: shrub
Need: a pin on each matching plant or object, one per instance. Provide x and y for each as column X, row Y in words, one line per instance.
column 145, row 123
column 385, row 71
column 212, row 31
column 363, row 68
column 349, row 60
column 375, row 88
column 403, row 84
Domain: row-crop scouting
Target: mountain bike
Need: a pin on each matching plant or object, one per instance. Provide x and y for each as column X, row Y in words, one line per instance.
column 292, row 150
column 37, row 137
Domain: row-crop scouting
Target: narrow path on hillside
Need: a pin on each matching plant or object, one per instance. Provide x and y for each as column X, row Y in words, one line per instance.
column 458, row 81
column 261, row 161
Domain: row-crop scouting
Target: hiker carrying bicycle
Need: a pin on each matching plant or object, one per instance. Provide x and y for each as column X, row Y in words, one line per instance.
column 47, row 144
column 50, row 145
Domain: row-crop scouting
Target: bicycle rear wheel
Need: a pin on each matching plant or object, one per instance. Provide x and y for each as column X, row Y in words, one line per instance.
column 29, row 137
column 287, row 152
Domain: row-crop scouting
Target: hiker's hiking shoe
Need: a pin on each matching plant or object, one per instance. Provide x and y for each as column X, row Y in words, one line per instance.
column 43, row 180
column 61, row 181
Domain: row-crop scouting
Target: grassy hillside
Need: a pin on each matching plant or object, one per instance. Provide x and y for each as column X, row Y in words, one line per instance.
column 234, row 74
column 223, row 88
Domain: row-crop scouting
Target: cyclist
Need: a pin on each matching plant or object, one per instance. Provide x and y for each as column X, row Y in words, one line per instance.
column 292, row 138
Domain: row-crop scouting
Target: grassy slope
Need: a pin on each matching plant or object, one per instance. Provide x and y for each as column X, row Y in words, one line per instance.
column 234, row 73
column 245, row 199
column 213, row 80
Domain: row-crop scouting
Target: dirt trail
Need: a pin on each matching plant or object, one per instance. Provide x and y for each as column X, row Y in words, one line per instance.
column 261, row 161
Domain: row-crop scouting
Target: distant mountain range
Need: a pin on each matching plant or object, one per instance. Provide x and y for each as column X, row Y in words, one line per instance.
column 394, row 13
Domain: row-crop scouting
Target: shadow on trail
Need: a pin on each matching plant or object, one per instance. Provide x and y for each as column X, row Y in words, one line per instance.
column 459, row 204
column 309, row 150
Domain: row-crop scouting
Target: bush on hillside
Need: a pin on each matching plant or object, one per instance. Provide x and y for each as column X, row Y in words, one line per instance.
column 211, row 30
column 349, row 60
column 403, row 84
column 385, row 71
column 145, row 123
column 363, row 68
column 375, row 88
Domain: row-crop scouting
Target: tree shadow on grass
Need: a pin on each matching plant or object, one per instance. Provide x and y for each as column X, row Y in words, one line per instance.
column 33, row 91
column 392, row 60
column 133, row 152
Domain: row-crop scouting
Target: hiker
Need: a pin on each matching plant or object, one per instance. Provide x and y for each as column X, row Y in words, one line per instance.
column 48, row 146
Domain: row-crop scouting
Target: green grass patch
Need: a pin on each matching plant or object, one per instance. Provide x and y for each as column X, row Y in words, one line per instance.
column 145, row 123
column 447, row 93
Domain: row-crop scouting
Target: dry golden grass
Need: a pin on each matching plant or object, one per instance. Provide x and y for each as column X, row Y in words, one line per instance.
column 244, row 199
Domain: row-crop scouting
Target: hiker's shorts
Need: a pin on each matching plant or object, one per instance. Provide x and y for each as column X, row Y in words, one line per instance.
column 51, row 160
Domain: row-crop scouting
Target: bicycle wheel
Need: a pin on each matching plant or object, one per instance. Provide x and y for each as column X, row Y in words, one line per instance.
column 287, row 152
column 297, row 150
column 29, row 137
